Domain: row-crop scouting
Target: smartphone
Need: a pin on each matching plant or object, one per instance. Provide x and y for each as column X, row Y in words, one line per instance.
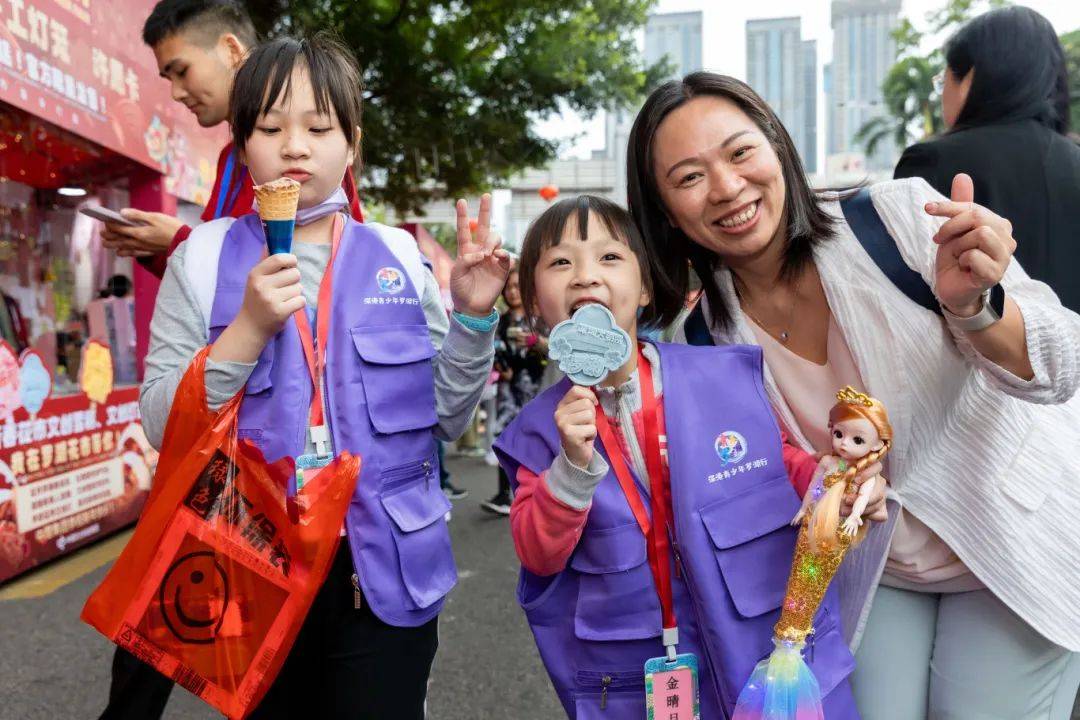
column 106, row 215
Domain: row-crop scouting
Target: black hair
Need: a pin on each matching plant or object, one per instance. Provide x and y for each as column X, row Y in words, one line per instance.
column 118, row 286
column 1020, row 69
column 671, row 253
column 547, row 231
column 266, row 76
column 206, row 20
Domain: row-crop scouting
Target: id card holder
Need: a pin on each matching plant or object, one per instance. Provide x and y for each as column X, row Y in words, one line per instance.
column 307, row 462
column 671, row 688
column 304, row 464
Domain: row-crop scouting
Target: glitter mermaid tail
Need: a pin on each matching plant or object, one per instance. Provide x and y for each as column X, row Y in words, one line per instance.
column 782, row 686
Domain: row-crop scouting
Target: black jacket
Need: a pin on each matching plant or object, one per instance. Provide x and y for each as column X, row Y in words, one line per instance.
column 1025, row 173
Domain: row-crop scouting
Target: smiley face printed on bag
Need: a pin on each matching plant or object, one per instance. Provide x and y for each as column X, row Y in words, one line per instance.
column 194, row 597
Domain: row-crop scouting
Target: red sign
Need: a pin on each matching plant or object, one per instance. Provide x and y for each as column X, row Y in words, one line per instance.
column 82, row 65
column 74, row 472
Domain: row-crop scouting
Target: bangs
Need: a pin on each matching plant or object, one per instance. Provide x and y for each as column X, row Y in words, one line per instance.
column 547, row 231
column 265, row 79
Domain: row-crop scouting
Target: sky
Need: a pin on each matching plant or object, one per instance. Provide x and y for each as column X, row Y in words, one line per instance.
column 724, row 48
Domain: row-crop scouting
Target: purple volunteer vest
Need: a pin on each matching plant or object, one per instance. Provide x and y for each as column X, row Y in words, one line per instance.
column 380, row 406
column 597, row 621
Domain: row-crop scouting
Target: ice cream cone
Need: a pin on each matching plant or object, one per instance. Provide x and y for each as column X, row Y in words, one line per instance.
column 277, row 209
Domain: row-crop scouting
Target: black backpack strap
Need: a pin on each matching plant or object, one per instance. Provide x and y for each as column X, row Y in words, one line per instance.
column 695, row 327
column 864, row 221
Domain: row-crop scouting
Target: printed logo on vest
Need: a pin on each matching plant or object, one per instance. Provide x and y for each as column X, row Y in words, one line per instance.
column 731, row 447
column 390, row 280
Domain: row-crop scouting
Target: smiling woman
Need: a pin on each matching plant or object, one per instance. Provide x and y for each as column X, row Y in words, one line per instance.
column 715, row 186
column 770, row 183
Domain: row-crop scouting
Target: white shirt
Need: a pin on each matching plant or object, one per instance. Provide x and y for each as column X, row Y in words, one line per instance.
column 988, row 461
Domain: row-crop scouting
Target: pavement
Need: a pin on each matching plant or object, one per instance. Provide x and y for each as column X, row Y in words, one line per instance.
column 52, row 666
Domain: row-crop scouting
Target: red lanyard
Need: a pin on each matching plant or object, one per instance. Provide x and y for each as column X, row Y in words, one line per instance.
column 316, row 361
column 655, row 530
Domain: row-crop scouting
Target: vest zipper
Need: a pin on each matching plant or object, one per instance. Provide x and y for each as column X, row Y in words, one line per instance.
column 713, row 665
column 398, row 475
column 357, row 596
column 613, row 682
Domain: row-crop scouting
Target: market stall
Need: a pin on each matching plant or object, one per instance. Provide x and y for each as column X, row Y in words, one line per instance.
column 84, row 119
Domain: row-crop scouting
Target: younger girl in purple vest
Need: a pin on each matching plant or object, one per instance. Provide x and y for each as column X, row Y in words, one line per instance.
column 592, row 577
column 398, row 374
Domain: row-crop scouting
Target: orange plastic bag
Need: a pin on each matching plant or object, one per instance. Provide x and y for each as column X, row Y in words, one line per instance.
column 216, row 581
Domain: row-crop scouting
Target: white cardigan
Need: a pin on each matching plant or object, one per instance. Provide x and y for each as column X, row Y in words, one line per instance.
column 988, row 461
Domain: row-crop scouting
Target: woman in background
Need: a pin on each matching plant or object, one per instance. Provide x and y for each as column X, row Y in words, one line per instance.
column 1005, row 102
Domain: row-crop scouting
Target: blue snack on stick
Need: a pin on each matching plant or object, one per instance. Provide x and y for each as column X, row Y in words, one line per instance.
column 589, row 345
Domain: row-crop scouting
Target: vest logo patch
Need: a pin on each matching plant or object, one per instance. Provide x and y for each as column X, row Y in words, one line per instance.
column 730, row 447
column 390, row 280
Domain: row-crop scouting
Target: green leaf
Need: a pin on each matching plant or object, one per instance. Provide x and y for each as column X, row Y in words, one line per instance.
column 453, row 88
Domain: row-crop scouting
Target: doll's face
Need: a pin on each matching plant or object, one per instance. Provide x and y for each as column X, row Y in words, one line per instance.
column 855, row 439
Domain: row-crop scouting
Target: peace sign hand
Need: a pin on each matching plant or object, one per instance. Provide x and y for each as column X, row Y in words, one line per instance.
column 975, row 247
column 482, row 265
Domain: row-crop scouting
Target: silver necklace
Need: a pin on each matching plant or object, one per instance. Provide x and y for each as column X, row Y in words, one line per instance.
column 784, row 335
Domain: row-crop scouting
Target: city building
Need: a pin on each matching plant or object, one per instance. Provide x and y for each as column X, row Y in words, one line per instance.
column 782, row 68
column 863, row 52
column 676, row 37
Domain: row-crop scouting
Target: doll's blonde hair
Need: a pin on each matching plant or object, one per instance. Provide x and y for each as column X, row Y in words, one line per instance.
column 825, row 519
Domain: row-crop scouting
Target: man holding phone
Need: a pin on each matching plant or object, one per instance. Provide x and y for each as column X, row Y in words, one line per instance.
column 198, row 45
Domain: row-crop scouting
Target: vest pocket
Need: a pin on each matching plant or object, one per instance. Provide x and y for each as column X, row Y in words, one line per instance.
column 827, row 653
column 610, row 695
column 754, row 544
column 411, row 496
column 616, row 593
column 397, row 375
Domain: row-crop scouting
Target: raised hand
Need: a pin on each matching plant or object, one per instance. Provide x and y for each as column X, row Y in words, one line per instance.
column 482, row 265
column 975, row 247
column 273, row 293
column 575, row 418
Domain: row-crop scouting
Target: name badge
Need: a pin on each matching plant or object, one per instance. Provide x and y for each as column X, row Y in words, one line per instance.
column 671, row 688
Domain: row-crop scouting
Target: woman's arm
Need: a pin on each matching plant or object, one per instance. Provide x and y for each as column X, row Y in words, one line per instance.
column 1033, row 352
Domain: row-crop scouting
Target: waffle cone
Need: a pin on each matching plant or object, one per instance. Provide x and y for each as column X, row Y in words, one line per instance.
column 277, row 199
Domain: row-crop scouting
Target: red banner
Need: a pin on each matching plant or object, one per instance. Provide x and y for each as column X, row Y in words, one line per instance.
column 74, row 472
column 82, row 65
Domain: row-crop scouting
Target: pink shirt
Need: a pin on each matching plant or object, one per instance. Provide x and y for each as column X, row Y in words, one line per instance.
column 918, row 559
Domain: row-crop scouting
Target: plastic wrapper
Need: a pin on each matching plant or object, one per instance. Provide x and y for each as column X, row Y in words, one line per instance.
column 216, row 581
